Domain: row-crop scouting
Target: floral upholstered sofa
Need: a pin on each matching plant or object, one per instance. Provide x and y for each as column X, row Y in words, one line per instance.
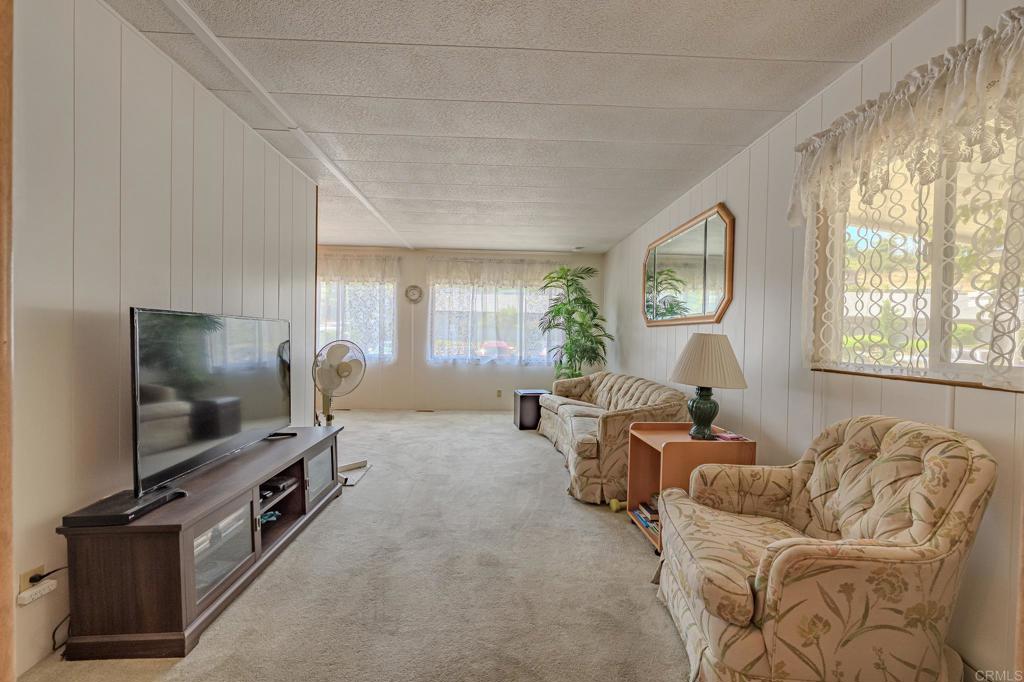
column 843, row 566
column 588, row 420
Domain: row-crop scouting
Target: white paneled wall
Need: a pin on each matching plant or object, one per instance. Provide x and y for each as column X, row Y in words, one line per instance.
column 786, row 404
column 133, row 186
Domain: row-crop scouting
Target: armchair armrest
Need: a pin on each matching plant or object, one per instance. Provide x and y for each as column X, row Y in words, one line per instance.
column 743, row 489
column 850, row 605
column 571, row 388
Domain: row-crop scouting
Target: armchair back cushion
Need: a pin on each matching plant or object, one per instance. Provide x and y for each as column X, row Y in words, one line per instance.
column 878, row 478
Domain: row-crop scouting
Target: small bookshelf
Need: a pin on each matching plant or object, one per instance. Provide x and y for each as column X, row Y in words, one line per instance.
column 662, row 455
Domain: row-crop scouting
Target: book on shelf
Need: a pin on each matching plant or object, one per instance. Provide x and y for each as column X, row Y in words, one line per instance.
column 648, row 511
column 647, row 523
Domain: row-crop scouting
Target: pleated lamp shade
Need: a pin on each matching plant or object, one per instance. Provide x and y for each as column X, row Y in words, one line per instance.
column 708, row 360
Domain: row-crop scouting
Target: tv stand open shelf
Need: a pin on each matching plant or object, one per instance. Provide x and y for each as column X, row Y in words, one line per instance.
column 149, row 588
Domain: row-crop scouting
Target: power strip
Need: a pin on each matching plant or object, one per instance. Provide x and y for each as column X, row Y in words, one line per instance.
column 36, row 591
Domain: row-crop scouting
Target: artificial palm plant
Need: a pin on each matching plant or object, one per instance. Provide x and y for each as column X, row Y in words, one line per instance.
column 573, row 312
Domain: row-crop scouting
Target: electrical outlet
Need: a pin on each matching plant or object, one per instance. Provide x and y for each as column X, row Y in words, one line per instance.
column 37, row 591
column 24, row 584
column 499, row 392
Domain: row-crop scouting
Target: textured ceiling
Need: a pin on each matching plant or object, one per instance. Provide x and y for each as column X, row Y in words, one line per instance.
column 534, row 124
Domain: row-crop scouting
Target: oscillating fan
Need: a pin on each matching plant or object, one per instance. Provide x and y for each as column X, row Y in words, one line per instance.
column 337, row 370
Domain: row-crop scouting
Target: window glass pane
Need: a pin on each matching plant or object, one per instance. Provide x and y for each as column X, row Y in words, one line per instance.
column 363, row 312
column 976, row 248
column 488, row 324
column 886, row 277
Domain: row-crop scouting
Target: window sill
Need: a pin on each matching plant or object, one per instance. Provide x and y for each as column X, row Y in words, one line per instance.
column 920, row 380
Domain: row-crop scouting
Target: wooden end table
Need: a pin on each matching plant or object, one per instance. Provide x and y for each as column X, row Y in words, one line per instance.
column 662, row 455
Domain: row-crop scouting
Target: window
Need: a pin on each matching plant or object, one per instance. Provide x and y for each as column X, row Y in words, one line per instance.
column 357, row 300
column 363, row 312
column 488, row 312
column 914, row 208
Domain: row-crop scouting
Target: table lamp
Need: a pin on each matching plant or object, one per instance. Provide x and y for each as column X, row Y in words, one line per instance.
column 706, row 362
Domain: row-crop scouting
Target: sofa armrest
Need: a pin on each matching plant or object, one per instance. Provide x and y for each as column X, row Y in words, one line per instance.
column 571, row 388
column 613, row 425
column 850, row 605
column 743, row 489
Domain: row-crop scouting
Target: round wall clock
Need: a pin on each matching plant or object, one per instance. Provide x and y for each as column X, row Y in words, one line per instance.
column 413, row 293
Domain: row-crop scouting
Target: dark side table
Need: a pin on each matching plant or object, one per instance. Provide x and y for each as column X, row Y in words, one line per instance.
column 526, row 407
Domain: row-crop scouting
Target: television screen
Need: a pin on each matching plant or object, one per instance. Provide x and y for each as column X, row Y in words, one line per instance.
column 205, row 386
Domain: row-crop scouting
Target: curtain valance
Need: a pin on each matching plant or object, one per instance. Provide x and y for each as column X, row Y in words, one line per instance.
column 512, row 272
column 962, row 105
column 351, row 265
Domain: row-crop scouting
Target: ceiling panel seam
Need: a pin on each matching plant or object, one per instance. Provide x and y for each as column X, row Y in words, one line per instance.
column 658, row 55
column 535, row 103
column 659, row 143
column 190, row 19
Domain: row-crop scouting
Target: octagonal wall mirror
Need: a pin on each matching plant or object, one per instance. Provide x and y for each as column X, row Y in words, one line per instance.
column 688, row 272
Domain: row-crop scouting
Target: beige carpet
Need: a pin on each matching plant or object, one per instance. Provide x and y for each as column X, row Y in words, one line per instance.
column 459, row 557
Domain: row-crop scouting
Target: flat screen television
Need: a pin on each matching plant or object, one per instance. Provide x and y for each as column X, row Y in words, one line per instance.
column 204, row 386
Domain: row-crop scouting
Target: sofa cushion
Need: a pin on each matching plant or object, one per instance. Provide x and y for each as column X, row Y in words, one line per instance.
column 722, row 549
column 569, row 411
column 583, row 436
column 623, row 391
column 550, row 401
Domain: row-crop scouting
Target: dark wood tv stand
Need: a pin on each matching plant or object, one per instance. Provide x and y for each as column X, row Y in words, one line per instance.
column 149, row 588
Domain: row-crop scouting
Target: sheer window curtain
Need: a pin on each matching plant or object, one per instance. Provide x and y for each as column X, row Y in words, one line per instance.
column 357, row 300
column 486, row 311
column 914, row 210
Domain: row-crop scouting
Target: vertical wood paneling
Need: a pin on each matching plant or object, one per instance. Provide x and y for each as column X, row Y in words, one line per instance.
column 182, row 171
column 927, row 36
column 983, row 636
column 285, row 255
column 876, row 74
column 841, row 96
column 145, row 198
column 837, row 398
column 734, row 322
column 800, row 428
column 7, row 672
column 145, row 174
column 772, row 444
column 272, row 250
column 982, row 13
column 309, row 191
column 866, row 396
column 301, row 357
column 929, row 403
column 755, row 267
column 253, row 224
column 232, row 237
column 97, row 245
column 42, row 289
column 119, row 201
column 208, row 206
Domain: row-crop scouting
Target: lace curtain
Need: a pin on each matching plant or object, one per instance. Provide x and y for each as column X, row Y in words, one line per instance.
column 486, row 311
column 914, row 211
column 357, row 300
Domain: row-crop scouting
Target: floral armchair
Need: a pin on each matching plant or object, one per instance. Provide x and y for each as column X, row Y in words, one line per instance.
column 843, row 566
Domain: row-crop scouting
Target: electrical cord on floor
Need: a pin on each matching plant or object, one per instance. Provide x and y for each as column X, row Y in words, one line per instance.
column 53, row 636
column 39, row 577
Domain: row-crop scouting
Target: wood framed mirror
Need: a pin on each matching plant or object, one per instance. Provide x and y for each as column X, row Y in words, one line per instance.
column 687, row 273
